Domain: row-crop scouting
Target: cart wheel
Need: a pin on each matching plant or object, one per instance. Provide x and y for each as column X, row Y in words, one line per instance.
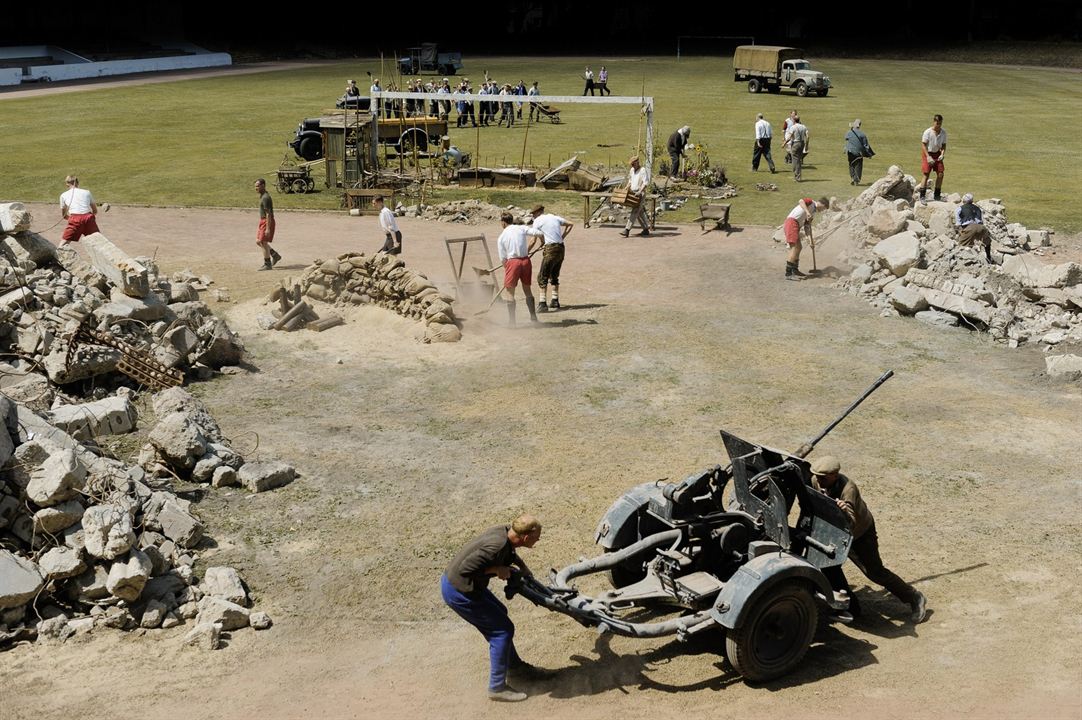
column 300, row 186
column 311, row 185
column 283, row 186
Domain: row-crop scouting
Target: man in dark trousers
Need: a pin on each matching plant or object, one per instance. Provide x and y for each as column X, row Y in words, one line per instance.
column 464, row 586
column 827, row 477
column 857, row 148
column 677, row 142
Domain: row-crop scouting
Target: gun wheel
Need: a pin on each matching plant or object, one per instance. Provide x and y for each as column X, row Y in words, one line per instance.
column 775, row 635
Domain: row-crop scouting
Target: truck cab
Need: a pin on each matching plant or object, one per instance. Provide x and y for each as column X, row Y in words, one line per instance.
column 799, row 75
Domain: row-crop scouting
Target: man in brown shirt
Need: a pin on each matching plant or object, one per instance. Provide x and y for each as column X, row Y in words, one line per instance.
column 464, row 587
column 827, row 477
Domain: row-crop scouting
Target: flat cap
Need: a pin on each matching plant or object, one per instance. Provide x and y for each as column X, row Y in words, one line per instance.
column 826, row 465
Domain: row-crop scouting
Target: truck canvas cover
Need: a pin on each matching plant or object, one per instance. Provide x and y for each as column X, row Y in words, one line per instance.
column 763, row 58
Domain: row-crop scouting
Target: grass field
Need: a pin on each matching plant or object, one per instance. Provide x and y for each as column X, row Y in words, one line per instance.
column 201, row 142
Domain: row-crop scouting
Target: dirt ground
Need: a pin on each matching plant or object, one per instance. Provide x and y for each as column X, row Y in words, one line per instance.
column 968, row 458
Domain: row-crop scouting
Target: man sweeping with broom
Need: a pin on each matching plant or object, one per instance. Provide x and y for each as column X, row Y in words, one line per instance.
column 515, row 246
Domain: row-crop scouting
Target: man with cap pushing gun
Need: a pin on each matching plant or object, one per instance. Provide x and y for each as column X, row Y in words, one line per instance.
column 827, row 477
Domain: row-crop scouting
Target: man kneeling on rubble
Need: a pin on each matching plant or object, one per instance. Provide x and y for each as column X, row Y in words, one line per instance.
column 970, row 221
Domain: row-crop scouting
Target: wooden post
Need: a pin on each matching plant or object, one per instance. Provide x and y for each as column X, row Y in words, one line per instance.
column 522, row 177
column 477, row 164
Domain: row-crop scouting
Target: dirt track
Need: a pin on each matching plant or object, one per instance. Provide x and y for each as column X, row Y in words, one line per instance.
column 968, row 459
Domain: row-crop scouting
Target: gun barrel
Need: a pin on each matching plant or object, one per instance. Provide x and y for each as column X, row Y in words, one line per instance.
column 807, row 447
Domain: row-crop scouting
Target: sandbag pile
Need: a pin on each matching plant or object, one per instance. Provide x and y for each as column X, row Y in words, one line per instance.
column 906, row 260
column 44, row 298
column 383, row 280
column 90, row 542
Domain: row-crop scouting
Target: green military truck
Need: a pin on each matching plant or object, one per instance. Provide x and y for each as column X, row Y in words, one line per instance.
column 772, row 67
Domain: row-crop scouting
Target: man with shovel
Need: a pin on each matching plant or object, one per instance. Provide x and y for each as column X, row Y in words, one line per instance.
column 515, row 247
column 801, row 216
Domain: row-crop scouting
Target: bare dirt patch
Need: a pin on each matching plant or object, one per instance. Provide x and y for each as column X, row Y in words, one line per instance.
column 406, row 450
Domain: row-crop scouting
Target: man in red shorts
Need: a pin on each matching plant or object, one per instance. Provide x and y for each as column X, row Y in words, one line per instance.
column 515, row 246
column 77, row 206
column 264, row 236
column 801, row 216
column 933, row 148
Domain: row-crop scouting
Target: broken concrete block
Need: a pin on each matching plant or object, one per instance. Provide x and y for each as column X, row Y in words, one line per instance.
column 207, row 636
column 899, row 252
column 54, row 629
column 107, row 531
column 215, row 610
column 266, row 475
column 205, row 467
column 260, row 621
column 91, row 584
column 59, row 478
column 14, row 217
column 971, row 309
column 179, row 400
column 1031, row 272
column 32, row 390
column 225, row 583
column 58, row 517
column 28, row 247
column 224, row 476
column 61, row 562
column 221, row 345
column 89, row 361
column 110, row 416
column 180, row 526
column 111, row 313
column 182, row 339
column 886, row 221
column 16, row 298
column 1063, row 365
column 127, row 275
column 164, row 587
column 20, row 580
column 179, row 440
column 148, row 309
column 153, row 615
column 128, row 577
column 937, row 318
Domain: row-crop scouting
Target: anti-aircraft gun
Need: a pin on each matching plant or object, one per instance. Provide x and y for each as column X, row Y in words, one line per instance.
column 733, row 563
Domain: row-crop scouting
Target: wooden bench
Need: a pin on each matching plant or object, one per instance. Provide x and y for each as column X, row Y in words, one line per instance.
column 716, row 213
column 605, row 196
column 361, row 199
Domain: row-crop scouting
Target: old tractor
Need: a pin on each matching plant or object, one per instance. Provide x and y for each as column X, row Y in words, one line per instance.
column 717, row 551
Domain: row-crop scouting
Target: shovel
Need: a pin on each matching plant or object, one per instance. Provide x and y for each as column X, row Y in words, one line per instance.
column 499, row 290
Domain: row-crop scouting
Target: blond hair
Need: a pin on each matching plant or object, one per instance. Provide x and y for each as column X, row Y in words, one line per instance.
column 525, row 524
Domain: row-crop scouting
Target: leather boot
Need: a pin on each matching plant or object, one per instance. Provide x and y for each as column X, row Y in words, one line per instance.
column 789, row 268
column 796, row 270
column 531, row 307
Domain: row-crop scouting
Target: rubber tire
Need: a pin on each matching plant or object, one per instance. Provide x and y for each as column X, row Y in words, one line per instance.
column 802, row 88
column 823, row 92
column 622, row 575
column 754, row 86
column 788, row 609
column 405, row 143
column 310, row 148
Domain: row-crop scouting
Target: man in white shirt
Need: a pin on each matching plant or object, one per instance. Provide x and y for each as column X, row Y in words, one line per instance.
column 555, row 230
column 800, row 217
column 507, row 108
column 393, row 243
column 77, row 206
column 516, row 244
column 933, row 147
column 589, row 76
column 796, row 139
column 638, row 181
column 533, row 92
column 763, row 135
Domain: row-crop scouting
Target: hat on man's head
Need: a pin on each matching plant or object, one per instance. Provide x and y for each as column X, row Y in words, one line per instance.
column 967, row 198
column 855, row 124
column 826, row 465
column 537, row 209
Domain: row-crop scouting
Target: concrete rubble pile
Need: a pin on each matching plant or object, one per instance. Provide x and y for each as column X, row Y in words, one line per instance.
column 468, row 212
column 383, row 280
column 89, row 542
column 44, row 299
column 906, row 260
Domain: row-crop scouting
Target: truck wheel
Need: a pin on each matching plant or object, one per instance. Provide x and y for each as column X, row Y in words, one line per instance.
column 411, row 138
column 754, row 86
column 311, row 148
column 775, row 635
column 802, row 88
column 823, row 92
column 775, row 89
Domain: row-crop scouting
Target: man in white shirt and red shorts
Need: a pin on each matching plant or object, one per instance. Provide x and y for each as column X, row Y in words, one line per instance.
column 515, row 246
column 78, row 207
column 801, row 216
column 933, row 148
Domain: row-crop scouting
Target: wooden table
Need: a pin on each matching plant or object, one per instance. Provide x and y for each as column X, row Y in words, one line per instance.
column 361, row 199
column 602, row 196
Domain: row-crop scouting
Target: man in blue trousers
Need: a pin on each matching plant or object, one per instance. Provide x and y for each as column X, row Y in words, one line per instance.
column 465, row 590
